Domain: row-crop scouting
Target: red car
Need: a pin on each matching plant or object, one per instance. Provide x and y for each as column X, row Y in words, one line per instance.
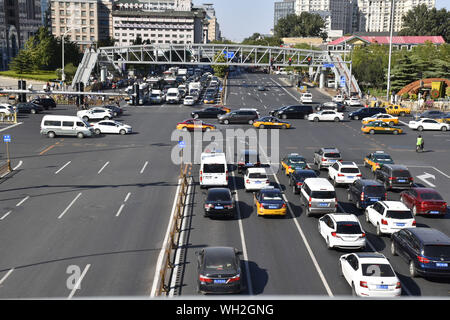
column 424, row 201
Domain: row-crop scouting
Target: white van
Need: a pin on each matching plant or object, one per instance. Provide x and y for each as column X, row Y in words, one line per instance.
column 173, row 95
column 318, row 196
column 213, row 170
column 54, row 125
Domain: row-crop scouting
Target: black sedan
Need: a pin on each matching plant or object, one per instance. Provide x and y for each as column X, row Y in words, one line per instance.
column 219, row 270
column 29, row 107
column 210, row 112
column 297, row 178
column 116, row 111
column 219, row 203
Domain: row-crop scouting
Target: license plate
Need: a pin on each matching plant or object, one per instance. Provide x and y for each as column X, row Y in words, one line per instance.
column 382, row 286
column 273, row 207
column 218, row 207
column 323, row 204
column 442, row 264
column 373, row 199
column 332, row 160
column 257, row 182
column 434, row 212
column 350, row 177
column 220, row 281
column 401, row 180
column 400, row 224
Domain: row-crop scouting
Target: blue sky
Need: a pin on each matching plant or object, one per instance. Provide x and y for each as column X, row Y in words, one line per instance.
column 239, row 19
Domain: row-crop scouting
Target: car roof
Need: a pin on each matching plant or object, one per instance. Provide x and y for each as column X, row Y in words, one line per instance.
column 223, row 252
column 342, row 216
column 394, row 205
column 319, row 183
column 430, row 236
column 330, row 149
column 421, row 190
column 396, row 166
column 253, row 170
column 270, row 190
column 347, row 164
column 218, row 190
column 367, row 182
column 370, row 255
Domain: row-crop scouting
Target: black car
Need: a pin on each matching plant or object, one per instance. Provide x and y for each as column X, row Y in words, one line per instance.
column 432, row 114
column 116, row 111
column 297, row 177
column 47, row 103
column 394, row 176
column 248, row 159
column 336, row 106
column 210, row 112
column 426, row 250
column 239, row 116
column 365, row 112
column 294, row 112
column 365, row 192
column 219, row 202
column 28, row 107
column 219, row 270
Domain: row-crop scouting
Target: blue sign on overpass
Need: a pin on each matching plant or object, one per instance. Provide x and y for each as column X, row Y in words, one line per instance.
column 228, row 55
column 328, row 65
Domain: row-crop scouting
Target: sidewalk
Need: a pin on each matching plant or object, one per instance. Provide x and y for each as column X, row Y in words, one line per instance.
column 11, row 83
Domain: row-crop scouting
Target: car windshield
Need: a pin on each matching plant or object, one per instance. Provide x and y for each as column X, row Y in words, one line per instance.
column 271, row 196
column 219, row 196
column 219, row 263
column 297, row 160
column 348, row 227
column 382, row 157
column 399, row 214
column 374, row 190
column 377, row 270
column 430, row 196
column 349, row 170
column 214, row 168
column 437, row 251
column 401, row 173
column 304, row 175
column 332, row 155
column 323, row 194
column 257, row 175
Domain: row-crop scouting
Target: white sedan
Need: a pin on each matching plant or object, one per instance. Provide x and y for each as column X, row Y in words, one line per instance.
column 256, row 179
column 370, row 275
column 428, row 124
column 342, row 230
column 189, row 101
column 352, row 102
column 306, row 97
column 338, row 98
column 95, row 114
column 110, row 126
column 326, row 115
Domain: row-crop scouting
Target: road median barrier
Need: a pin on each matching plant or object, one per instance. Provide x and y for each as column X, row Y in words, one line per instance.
column 5, row 168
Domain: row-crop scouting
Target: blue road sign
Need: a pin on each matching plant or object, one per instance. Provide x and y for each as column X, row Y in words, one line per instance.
column 181, row 144
column 6, row 138
column 328, row 65
column 342, row 81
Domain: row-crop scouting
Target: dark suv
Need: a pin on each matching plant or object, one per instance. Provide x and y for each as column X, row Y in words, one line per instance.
column 239, row 116
column 248, row 159
column 47, row 103
column 293, row 112
column 394, row 176
column 426, row 250
column 364, row 192
column 365, row 112
column 28, row 107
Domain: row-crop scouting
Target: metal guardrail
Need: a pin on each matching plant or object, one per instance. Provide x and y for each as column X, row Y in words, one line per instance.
column 163, row 287
column 5, row 168
column 8, row 119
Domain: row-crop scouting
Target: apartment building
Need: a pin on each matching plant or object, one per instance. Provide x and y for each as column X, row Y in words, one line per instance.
column 83, row 21
column 282, row 9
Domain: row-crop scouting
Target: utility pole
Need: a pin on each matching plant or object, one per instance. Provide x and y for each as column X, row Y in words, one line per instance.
column 388, row 89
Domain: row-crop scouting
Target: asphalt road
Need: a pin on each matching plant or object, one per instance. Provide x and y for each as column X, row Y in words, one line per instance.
column 101, row 206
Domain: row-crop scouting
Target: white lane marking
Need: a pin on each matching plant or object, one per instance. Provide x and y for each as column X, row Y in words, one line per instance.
column 296, row 99
column 5, row 215
column 63, row 167
column 99, row 171
column 127, row 196
column 120, row 210
column 143, row 168
column 18, row 165
column 77, row 285
column 22, row 201
column 68, row 207
column 11, row 126
column 302, row 235
column 6, row 276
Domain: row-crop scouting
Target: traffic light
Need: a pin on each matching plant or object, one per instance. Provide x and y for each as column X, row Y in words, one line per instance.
column 309, row 59
column 79, row 86
column 290, row 61
column 22, row 84
column 136, row 94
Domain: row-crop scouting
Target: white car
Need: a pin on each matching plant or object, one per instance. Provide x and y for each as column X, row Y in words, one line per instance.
column 95, row 114
column 389, row 217
column 6, row 109
column 110, row 126
column 306, row 97
column 344, row 172
column 428, row 124
column 370, row 275
column 342, row 230
column 388, row 118
column 326, row 115
column 338, row 98
column 352, row 102
column 189, row 101
column 256, row 179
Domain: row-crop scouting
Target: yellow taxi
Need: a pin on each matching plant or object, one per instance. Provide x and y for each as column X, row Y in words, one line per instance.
column 222, row 107
column 381, row 117
column 269, row 201
column 396, row 109
column 292, row 162
column 380, row 127
column 194, row 124
column 376, row 159
column 445, row 118
column 380, row 104
column 270, row 122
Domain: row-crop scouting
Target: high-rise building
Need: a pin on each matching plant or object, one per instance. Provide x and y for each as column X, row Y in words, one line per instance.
column 282, row 9
column 19, row 20
column 214, row 32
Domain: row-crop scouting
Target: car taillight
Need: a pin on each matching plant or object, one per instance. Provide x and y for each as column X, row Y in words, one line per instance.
column 384, row 222
column 229, row 206
column 363, row 284
column 340, row 175
column 268, row 181
column 309, row 202
column 363, row 235
column 398, row 286
column 362, row 196
column 204, row 279
column 385, row 196
column 359, row 175
column 299, row 184
column 414, row 222
column 261, row 206
column 284, row 205
column 247, row 181
column 234, row 279
column 423, row 259
column 226, row 175
column 209, row 206
column 391, row 178
column 411, row 178
column 444, row 205
column 323, row 159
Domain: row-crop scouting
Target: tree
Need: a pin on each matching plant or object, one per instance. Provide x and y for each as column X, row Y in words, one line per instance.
column 421, row 21
column 369, row 65
column 403, row 72
column 219, row 69
column 304, row 25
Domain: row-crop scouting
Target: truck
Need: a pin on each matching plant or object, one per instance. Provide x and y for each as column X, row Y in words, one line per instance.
column 173, row 95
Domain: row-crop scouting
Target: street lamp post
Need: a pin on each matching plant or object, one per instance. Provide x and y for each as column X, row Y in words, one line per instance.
column 388, row 89
column 63, row 75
